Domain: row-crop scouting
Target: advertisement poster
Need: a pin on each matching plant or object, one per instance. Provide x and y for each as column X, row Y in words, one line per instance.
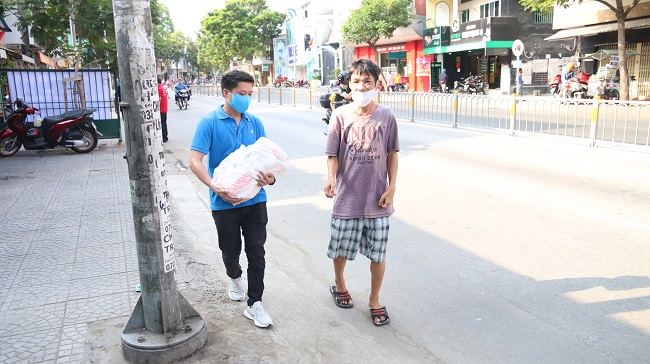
column 422, row 67
column 281, row 57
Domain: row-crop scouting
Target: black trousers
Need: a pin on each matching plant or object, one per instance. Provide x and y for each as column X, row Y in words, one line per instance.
column 163, row 121
column 249, row 221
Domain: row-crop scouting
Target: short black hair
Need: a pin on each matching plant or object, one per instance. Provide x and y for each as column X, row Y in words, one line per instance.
column 159, row 80
column 364, row 66
column 231, row 79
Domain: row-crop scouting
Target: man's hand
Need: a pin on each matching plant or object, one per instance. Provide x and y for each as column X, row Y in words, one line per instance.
column 387, row 198
column 264, row 179
column 224, row 194
column 329, row 189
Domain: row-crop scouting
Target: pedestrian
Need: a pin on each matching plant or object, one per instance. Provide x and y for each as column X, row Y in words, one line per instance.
column 163, row 105
column 520, row 83
column 443, row 80
column 397, row 78
column 362, row 145
column 218, row 134
column 391, row 81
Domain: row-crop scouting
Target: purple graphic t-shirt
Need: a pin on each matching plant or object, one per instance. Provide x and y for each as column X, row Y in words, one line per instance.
column 361, row 144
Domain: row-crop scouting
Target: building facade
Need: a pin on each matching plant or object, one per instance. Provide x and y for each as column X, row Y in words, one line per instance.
column 590, row 26
column 475, row 37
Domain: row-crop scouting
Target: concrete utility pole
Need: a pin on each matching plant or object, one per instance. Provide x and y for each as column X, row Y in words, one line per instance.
column 163, row 327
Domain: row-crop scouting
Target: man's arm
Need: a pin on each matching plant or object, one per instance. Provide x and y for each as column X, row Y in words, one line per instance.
column 387, row 197
column 332, row 168
column 197, row 167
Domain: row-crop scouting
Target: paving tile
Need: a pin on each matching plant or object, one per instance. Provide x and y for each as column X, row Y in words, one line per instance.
column 98, row 286
column 43, row 271
column 71, row 347
column 68, row 251
column 22, row 295
column 16, row 323
column 92, row 266
column 35, row 347
column 91, row 309
column 46, row 254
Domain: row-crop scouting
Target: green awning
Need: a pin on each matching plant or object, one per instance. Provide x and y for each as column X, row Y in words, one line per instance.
column 486, row 44
column 396, row 55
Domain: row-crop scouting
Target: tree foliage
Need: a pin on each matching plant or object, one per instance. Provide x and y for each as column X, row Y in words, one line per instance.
column 376, row 19
column 242, row 29
column 620, row 11
column 49, row 24
column 163, row 28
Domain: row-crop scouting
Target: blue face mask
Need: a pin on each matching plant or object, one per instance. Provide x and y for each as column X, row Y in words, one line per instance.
column 240, row 103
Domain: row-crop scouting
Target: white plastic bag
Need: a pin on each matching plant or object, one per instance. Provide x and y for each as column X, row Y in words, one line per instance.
column 237, row 174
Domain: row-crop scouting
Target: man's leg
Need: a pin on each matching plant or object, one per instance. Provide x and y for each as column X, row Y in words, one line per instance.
column 339, row 279
column 254, row 230
column 377, row 277
column 228, row 231
column 163, row 122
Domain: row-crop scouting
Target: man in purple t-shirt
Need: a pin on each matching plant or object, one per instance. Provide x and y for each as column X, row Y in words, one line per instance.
column 362, row 146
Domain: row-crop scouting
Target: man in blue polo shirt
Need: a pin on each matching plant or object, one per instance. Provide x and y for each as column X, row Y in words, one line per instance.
column 217, row 135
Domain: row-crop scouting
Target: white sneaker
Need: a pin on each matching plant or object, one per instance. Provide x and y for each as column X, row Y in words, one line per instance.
column 236, row 290
column 258, row 315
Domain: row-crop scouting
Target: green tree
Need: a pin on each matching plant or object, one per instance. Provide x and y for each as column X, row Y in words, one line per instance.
column 242, row 29
column 192, row 55
column 50, row 26
column 94, row 27
column 376, row 19
column 163, row 29
column 620, row 11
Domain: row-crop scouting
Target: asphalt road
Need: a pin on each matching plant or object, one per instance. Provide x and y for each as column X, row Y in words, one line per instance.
column 502, row 250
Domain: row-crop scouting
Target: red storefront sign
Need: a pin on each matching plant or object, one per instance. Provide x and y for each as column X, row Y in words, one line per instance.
column 392, row 48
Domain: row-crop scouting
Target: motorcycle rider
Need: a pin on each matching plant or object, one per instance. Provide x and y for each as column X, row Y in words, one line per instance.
column 567, row 74
column 177, row 89
column 343, row 95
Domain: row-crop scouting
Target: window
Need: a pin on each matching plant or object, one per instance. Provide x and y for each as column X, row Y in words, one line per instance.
column 543, row 18
column 489, row 9
column 464, row 16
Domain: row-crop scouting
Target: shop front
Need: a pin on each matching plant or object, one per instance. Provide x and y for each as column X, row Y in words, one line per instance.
column 405, row 58
column 480, row 47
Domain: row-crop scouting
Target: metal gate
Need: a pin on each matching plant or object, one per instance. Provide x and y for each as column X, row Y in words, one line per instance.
column 638, row 66
column 46, row 90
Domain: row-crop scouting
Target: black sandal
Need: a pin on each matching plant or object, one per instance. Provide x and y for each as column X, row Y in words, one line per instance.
column 339, row 297
column 379, row 313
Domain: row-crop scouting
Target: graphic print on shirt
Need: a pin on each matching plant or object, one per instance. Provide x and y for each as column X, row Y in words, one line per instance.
column 359, row 140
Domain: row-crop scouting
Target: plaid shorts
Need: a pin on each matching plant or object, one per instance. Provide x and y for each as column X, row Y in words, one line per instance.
column 368, row 236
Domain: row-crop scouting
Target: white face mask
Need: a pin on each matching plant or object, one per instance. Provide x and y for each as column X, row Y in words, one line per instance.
column 364, row 98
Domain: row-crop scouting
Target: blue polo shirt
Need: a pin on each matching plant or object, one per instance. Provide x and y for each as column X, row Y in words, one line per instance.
column 218, row 135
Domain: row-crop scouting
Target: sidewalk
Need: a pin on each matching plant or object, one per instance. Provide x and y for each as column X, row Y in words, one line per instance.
column 67, row 249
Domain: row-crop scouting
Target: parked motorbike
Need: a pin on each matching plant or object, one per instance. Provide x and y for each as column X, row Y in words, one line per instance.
column 460, row 86
column 605, row 89
column 474, row 85
column 282, row 82
column 183, row 97
column 74, row 129
column 555, row 86
column 302, row 83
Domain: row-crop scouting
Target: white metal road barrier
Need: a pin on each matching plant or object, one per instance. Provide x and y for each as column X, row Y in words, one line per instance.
column 626, row 122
